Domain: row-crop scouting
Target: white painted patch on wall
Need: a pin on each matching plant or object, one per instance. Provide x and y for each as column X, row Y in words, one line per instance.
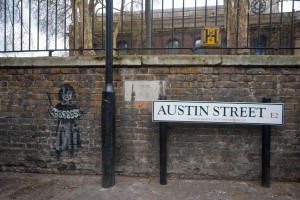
column 143, row 90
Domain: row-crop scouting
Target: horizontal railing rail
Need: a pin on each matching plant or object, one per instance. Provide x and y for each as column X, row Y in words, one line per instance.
column 77, row 27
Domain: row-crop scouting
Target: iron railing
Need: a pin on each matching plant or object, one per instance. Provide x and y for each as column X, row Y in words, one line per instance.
column 77, row 27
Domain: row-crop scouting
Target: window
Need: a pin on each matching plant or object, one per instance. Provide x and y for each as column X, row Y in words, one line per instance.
column 260, row 42
column 198, row 49
column 173, row 43
column 122, row 47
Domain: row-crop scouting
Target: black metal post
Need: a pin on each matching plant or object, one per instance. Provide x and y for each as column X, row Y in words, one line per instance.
column 163, row 151
column 266, row 141
column 108, row 107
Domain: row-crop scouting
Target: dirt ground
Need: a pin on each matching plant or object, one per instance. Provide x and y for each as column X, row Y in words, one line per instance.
column 22, row 186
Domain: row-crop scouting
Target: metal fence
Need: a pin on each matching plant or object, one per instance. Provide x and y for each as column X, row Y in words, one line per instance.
column 77, row 27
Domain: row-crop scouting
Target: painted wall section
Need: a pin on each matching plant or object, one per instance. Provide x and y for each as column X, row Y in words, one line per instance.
column 66, row 113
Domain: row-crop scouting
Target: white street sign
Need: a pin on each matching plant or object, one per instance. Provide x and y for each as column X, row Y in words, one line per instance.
column 218, row 112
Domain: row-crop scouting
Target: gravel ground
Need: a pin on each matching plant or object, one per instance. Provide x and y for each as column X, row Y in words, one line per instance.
column 23, row 186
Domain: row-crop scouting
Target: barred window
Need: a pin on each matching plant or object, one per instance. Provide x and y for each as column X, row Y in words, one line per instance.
column 173, row 43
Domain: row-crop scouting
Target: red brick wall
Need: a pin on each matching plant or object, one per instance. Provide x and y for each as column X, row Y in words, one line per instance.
column 28, row 131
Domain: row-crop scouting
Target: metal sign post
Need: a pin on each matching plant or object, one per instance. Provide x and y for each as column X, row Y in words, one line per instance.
column 265, row 151
column 265, row 114
column 163, row 150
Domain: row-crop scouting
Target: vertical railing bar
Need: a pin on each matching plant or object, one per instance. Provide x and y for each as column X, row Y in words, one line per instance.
column 38, row 26
column 152, row 22
column 93, row 24
column 56, row 13
column 47, row 24
column 148, row 22
column 102, row 21
column 259, row 24
column 216, row 14
column 131, row 24
column 21, row 18
column 74, row 27
column 5, row 25
column 227, row 23
column 29, row 37
column 270, row 31
column 195, row 23
column 122, row 18
column 162, row 23
column 182, row 31
column 292, row 26
column 13, row 26
column 142, row 27
column 173, row 23
column 248, row 23
column 82, row 25
column 237, row 24
column 205, row 12
column 65, row 24
column 281, row 16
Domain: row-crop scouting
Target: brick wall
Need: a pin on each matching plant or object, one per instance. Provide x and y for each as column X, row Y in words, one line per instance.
column 28, row 133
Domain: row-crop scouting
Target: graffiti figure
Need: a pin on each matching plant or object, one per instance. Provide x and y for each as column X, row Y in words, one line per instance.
column 66, row 112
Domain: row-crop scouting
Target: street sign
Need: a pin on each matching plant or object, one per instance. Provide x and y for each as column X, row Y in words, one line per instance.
column 211, row 36
column 218, row 112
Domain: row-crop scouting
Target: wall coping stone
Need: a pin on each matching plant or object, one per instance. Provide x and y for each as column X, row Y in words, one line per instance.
column 162, row 60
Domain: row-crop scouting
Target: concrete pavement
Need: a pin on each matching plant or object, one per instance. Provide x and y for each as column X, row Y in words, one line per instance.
column 22, row 186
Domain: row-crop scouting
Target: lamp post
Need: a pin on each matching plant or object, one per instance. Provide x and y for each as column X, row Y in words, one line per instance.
column 108, row 107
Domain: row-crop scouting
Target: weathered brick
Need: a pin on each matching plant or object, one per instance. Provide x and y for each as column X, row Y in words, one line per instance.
column 69, row 70
column 54, row 77
column 55, row 70
column 176, row 77
column 224, row 70
column 96, row 97
column 205, row 78
column 207, row 149
column 159, row 70
column 184, row 70
column 257, row 71
column 226, row 84
column 292, row 71
column 207, row 70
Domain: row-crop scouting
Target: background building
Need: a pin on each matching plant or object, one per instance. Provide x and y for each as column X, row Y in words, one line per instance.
column 267, row 30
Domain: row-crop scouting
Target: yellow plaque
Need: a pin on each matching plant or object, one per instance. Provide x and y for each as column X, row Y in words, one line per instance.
column 211, row 36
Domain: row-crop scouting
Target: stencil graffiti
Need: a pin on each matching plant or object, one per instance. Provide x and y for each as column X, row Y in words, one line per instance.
column 66, row 112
